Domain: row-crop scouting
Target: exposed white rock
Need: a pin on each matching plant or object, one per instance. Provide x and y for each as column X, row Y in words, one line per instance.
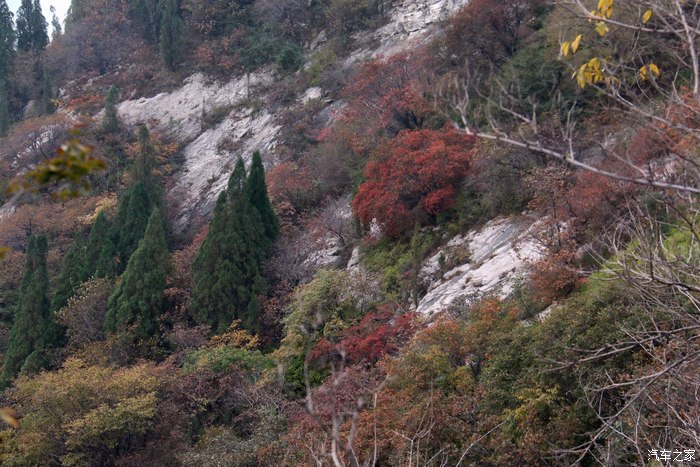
column 179, row 113
column 499, row 251
column 354, row 267
column 211, row 153
column 208, row 164
column 311, row 93
column 410, row 23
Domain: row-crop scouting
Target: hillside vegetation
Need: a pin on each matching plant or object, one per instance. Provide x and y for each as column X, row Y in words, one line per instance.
column 350, row 233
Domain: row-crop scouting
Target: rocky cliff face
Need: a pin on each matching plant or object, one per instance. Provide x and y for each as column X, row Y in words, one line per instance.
column 211, row 152
column 494, row 255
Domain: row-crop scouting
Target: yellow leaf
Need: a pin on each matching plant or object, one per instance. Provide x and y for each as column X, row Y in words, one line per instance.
column 643, row 73
column 565, row 48
column 576, row 43
column 647, row 16
column 601, row 28
column 654, row 69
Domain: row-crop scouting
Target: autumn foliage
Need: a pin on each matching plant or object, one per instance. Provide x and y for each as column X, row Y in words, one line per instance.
column 412, row 178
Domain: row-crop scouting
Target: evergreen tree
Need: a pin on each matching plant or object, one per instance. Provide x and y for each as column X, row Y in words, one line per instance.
column 171, row 31
column 5, row 120
column 76, row 12
column 7, row 40
column 227, row 270
column 94, row 246
column 108, row 264
column 144, row 164
column 32, row 28
column 40, row 28
column 70, row 277
column 110, row 121
column 134, row 227
column 257, row 194
column 57, row 30
column 135, row 207
column 139, row 297
column 25, row 36
column 33, row 330
column 145, row 13
column 47, row 93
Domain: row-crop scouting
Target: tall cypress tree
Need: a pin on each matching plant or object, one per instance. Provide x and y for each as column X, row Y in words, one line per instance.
column 32, row 28
column 40, row 28
column 227, row 270
column 257, row 194
column 135, row 207
column 57, row 30
column 7, row 40
column 138, row 300
column 134, row 227
column 76, row 12
column 171, row 31
column 25, row 36
column 110, row 121
column 33, row 330
column 93, row 247
column 71, row 275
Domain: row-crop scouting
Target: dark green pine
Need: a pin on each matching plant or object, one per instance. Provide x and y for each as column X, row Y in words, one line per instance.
column 257, row 194
column 7, row 40
column 110, row 121
column 40, row 28
column 71, row 275
column 134, row 226
column 33, row 330
column 24, row 26
column 171, row 31
column 94, row 246
column 138, row 299
column 227, row 270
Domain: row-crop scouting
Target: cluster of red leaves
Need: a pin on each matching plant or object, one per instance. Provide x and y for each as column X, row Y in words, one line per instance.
column 376, row 335
column 416, row 174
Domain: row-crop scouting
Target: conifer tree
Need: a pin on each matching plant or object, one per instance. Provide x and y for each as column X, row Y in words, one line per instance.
column 138, row 300
column 110, row 122
column 108, row 264
column 40, row 28
column 171, row 30
column 93, row 247
column 32, row 28
column 7, row 40
column 70, row 277
column 257, row 194
column 25, row 37
column 227, row 270
column 135, row 207
column 76, row 12
column 5, row 120
column 134, row 227
column 57, row 30
column 33, row 330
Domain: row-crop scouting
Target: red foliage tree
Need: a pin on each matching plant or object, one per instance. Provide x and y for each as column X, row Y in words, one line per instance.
column 414, row 176
column 376, row 335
